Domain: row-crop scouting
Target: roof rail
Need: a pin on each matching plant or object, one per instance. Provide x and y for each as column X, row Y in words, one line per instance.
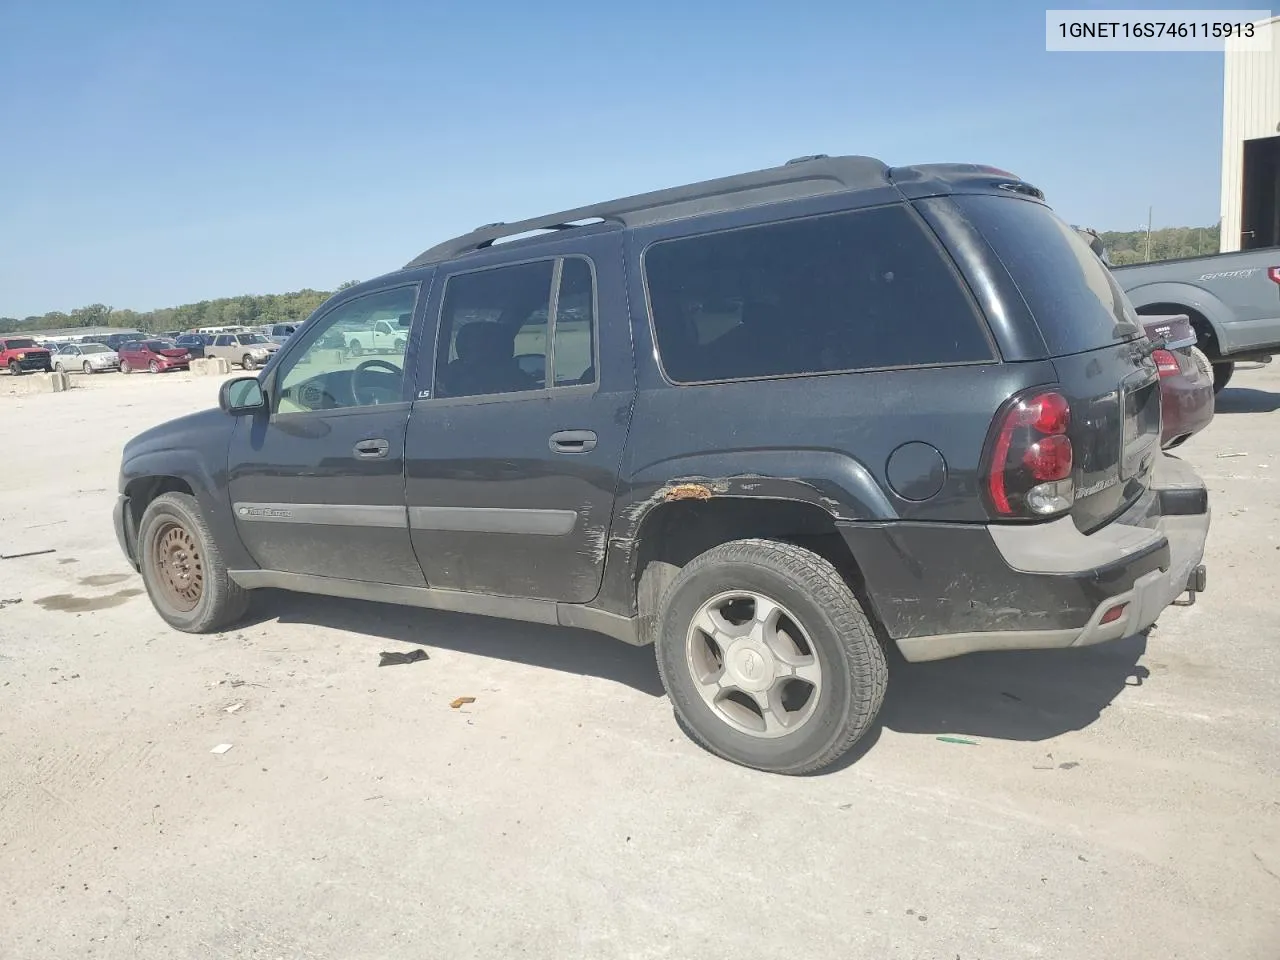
column 805, row 176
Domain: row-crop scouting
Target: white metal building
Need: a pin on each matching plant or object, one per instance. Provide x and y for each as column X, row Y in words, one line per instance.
column 1251, row 145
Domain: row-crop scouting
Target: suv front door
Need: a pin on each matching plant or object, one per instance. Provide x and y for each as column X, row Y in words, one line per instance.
column 513, row 458
column 317, row 482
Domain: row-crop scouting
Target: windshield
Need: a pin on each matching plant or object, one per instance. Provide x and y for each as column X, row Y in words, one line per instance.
column 1076, row 302
column 252, row 338
column 20, row 343
column 160, row 344
column 94, row 348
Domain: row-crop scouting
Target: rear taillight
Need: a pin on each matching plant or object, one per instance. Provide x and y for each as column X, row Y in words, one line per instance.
column 1274, row 273
column 1166, row 363
column 1027, row 469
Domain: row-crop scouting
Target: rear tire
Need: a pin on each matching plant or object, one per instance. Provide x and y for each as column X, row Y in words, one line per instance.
column 184, row 574
column 824, row 687
column 124, row 367
column 1222, row 373
column 354, row 348
column 88, row 369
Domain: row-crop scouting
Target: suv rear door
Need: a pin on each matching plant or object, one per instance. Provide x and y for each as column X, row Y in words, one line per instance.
column 513, row 455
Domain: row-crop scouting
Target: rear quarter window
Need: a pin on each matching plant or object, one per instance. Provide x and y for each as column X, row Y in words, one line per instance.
column 1076, row 302
column 863, row 290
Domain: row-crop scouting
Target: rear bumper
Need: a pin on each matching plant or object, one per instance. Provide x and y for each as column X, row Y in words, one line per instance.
column 942, row 590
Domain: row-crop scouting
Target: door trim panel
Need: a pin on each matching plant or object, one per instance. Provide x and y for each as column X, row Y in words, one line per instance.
column 332, row 514
column 551, row 523
column 626, row 629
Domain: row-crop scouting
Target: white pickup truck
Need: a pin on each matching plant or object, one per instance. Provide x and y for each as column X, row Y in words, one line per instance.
column 385, row 336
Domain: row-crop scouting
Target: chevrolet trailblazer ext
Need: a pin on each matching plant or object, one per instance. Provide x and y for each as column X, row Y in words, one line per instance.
column 767, row 423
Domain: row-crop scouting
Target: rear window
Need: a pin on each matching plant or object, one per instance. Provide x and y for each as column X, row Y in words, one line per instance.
column 850, row 291
column 1076, row 302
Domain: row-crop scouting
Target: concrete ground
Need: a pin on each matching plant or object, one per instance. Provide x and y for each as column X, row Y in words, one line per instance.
column 1119, row 802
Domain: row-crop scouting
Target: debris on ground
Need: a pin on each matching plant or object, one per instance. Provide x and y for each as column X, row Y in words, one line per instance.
column 460, row 701
column 221, row 748
column 12, row 601
column 390, row 659
column 234, row 707
column 1224, row 456
column 965, row 740
column 29, row 553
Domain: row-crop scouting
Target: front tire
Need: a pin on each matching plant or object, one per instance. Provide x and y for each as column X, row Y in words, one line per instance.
column 154, row 366
column 59, row 368
column 87, row 368
column 768, row 658
column 1222, row 373
column 15, row 368
column 184, row 574
column 248, row 362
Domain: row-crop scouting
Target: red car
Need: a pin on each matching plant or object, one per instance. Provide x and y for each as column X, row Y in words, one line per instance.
column 1186, row 379
column 154, row 355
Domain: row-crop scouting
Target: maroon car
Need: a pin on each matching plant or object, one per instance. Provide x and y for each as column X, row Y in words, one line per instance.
column 1186, row 378
column 154, row 355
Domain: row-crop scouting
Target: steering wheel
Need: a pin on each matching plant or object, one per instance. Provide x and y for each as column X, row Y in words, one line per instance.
column 361, row 369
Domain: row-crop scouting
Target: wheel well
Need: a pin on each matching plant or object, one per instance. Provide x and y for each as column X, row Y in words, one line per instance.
column 1206, row 339
column 672, row 534
column 145, row 489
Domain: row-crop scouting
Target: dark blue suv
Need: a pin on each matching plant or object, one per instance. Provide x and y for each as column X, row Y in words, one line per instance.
column 768, row 423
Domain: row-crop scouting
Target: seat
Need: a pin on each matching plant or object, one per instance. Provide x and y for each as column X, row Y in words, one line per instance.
column 486, row 363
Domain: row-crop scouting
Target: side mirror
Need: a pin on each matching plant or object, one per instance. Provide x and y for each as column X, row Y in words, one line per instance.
column 242, row 395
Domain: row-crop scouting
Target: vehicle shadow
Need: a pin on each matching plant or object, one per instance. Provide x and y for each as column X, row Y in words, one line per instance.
column 1026, row 695
column 1246, row 400
column 538, row 645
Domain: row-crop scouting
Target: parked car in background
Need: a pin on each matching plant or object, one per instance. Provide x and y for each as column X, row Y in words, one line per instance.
column 194, row 343
column 250, row 350
column 158, row 356
column 1186, row 379
column 384, row 336
column 86, row 358
column 279, row 333
column 23, row 355
column 1233, row 300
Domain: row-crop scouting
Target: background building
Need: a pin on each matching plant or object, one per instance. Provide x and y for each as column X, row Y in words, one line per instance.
column 1251, row 145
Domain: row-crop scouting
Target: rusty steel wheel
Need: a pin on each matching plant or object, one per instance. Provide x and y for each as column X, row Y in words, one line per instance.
column 177, row 565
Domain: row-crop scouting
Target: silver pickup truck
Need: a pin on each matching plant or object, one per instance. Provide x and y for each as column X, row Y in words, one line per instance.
column 1233, row 300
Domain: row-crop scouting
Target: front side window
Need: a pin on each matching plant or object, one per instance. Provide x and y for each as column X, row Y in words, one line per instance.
column 248, row 339
column 851, row 291
column 328, row 372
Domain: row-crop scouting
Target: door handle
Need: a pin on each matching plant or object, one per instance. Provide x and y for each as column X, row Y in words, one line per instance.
column 573, row 441
column 373, row 449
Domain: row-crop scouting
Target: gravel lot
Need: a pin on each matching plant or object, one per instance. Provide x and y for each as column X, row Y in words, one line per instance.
column 1121, row 801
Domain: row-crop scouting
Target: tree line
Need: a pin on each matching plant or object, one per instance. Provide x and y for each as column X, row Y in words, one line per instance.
column 1167, row 243
column 247, row 310
column 1123, row 246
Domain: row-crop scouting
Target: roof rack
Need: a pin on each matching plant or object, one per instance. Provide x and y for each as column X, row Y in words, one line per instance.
column 804, row 176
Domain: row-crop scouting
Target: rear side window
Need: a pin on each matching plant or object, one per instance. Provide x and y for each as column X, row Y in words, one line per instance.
column 1076, row 302
column 850, row 291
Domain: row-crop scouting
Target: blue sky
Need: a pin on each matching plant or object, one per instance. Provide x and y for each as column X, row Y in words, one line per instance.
column 156, row 153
